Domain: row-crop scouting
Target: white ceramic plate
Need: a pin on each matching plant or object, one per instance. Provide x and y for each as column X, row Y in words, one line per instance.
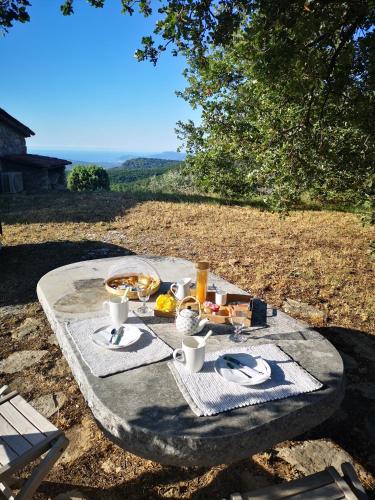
column 130, row 335
column 234, row 375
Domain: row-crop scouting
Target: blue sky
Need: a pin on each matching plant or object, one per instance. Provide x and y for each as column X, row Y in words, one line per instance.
column 75, row 82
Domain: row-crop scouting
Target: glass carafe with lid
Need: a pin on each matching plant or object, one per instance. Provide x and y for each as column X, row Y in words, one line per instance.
column 202, row 280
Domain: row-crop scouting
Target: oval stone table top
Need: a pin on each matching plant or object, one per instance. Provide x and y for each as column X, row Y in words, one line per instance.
column 143, row 411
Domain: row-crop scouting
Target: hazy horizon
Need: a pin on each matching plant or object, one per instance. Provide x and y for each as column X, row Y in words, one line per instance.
column 109, row 155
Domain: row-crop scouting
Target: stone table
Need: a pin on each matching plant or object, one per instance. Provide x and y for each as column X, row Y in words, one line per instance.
column 143, row 411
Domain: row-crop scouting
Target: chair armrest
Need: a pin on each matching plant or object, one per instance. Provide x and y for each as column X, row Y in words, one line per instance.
column 353, row 481
column 8, row 396
column 3, row 389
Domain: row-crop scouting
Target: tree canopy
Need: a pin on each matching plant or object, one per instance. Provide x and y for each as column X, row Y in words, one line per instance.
column 11, row 11
column 288, row 104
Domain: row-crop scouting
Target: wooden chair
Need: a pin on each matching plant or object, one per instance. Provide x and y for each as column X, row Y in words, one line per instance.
column 25, row 435
column 325, row 485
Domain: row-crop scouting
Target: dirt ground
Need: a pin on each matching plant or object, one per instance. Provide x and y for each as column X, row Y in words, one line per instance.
column 320, row 258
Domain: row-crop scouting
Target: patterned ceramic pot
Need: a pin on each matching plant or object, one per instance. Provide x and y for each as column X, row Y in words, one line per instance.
column 188, row 322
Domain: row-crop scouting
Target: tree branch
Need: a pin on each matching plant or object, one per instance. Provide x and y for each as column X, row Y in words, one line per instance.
column 344, row 40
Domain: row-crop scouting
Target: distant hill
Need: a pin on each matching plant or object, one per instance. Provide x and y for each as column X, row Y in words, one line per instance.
column 169, row 155
column 104, row 157
column 104, row 164
column 165, row 155
column 148, row 163
column 129, row 163
column 140, row 168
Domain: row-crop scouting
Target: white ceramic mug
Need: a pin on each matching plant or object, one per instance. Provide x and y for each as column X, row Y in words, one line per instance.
column 117, row 310
column 191, row 354
column 181, row 289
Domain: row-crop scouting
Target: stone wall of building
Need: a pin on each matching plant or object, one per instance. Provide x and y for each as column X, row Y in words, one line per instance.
column 11, row 141
column 34, row 179
column 38, row 179
column 57, row 180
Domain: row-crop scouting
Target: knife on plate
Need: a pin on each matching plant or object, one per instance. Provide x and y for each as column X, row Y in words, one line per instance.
column 254, row 373
column 233, row 367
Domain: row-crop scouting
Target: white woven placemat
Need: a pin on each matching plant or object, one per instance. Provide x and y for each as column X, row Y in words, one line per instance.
column 102, row 362
column 209, row 393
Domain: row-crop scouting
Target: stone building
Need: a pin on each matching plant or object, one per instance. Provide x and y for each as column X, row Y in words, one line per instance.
column 20, row 171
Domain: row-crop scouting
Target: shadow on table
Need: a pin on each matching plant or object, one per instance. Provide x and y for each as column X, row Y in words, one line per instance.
column 22, row 266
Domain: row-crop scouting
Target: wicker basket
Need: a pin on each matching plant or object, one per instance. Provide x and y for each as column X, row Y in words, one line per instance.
column 115, row 285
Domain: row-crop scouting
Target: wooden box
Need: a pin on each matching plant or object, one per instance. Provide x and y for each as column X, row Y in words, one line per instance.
column 238, row 305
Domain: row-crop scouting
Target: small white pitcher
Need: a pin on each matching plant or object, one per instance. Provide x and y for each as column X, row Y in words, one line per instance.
column 182, row 288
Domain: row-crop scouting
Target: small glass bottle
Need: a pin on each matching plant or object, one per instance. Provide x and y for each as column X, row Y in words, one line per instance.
column 202, row 280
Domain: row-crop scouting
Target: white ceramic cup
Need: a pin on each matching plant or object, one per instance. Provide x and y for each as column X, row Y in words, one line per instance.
column 221, row 297
column 191, row 354
column 117, row 310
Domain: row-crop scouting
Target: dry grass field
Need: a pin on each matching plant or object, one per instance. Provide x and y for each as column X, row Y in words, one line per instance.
column 317, row 257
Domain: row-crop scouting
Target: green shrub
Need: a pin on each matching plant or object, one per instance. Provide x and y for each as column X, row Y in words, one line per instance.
column 88, row 178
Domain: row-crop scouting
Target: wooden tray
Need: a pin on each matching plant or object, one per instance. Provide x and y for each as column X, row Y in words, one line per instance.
column 222, row 317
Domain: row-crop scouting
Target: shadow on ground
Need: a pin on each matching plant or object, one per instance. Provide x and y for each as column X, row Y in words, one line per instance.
column 22, row 266
column 90, row 207
column 241, row 476
column 105, row 206
column 352, row 426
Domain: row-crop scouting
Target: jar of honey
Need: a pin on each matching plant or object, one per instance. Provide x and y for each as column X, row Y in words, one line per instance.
column 202, row 280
